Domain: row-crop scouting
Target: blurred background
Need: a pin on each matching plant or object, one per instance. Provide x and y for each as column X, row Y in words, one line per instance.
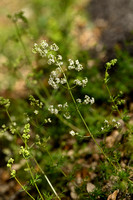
column 92, row 31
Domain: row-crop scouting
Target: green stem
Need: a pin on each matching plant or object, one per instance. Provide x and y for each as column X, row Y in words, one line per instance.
column 24, row 188
column 58, row 116
column 11, row 122
column 47, row 179
column 84, row 122
column 34, row 181
column 21, row 41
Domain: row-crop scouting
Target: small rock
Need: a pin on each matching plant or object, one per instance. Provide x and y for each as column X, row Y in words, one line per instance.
column 90, row 187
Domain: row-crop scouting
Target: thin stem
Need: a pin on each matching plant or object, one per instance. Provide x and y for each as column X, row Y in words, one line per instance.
column 58, row 116
column 11, row 122
column 24, row 188
column 47, row 179
column 84, row 122
column 8, row 115
column 21, row 41
column 37, row 165
column 34, row 181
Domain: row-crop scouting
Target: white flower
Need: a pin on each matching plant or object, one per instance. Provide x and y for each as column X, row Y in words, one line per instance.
column 73, row 133
column 36, row 112
column 77, row 82
column 79, row 67
column 44, row 44
column 67, row 115
column 53, row 110
column 54, row 47
column 60, row 106
column 71, row 62
column 77, row 62
column 106, row 121
column 92, row 100
column 84, row 82
column 59, row 57
column 14, row 124
column 49, row 120
column 79, row 100
column 65, row 105
column 88, row 100
column 118, row 124
column 62, row 81
column 113, row 120
column 27, row 119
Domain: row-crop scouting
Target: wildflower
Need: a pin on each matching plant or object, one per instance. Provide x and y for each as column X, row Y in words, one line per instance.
column 59, row 63
column 10, row 162
column 67, row 115
column 79, row 100
column 49, row 120
column 84, row 82
column 77, row 66
column 59, row 57
column 71, row 62
column 36, row 112
column 54, row 47
column 52, row 59
column 77, row 82
column 53, row 110
column 106, row 121
column 73, row 133
column 62, row 81
column 24, row 152
column 27, row 119
column 92, row 100
column 59, row 106
column 88, row 100
column 44, row 44
column 54, row 79
column 118, row 124
column 113, row 120
column 77, row 62
column 13, row 173
column 65, row 105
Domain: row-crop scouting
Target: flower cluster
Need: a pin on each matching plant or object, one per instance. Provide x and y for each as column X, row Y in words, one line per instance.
column 48, row 120
column 24, row 152
column 55, row 80
column 116, row 123
column 75, row 65
column 26, row 131
column 12, row 128
column 60, row 107
column 35, row 102
column 54, row 47
column 53, row 110
column 36, row 112
column 111, row 125
column 87, row 100
column 42, row 49
column 9, row 164
column 73, row 133
column 4, row 102
column 81, row 82
column 4, row 128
